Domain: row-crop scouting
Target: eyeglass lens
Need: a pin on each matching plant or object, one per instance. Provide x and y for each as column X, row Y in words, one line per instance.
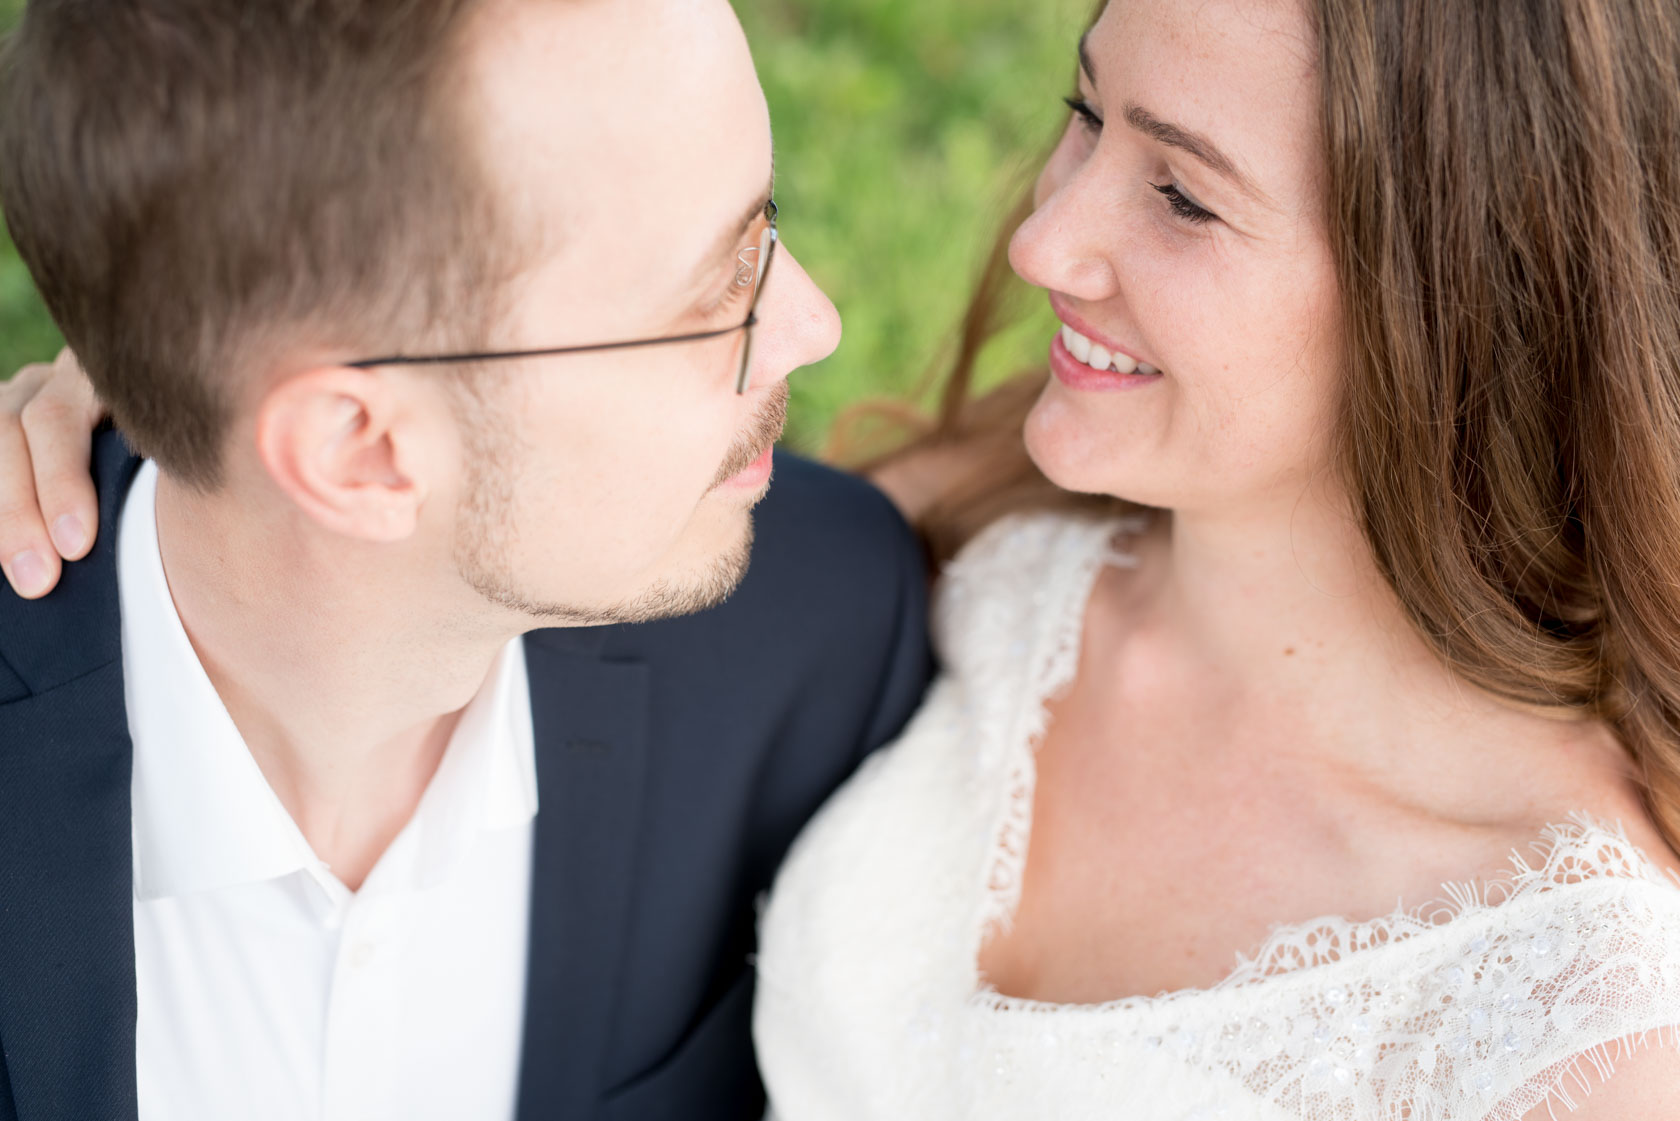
column 766, row 252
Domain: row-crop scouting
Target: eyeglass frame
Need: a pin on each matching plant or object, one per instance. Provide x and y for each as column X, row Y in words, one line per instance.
column 766, row 253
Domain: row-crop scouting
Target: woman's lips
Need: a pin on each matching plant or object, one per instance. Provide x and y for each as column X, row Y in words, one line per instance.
column 1075, row 374
column 1082, row 338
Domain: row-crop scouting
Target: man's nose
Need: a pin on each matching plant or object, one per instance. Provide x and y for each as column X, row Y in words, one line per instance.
column 797, row 323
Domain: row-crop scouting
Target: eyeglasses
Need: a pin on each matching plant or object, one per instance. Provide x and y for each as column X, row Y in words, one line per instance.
column 752, row 266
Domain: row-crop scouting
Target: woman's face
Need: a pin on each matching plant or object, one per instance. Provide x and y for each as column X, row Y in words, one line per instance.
column 1180, row 226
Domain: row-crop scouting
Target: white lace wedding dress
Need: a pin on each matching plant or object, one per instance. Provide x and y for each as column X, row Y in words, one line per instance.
column 870, row 1005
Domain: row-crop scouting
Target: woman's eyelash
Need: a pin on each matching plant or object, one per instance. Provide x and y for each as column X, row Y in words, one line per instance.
column 1176, row 199
column 1087, row 115
column 1182, row 206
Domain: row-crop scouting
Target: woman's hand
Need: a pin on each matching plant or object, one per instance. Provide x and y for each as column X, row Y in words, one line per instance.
column 48, row 510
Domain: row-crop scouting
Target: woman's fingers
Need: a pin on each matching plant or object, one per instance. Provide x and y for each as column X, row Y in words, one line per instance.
column 27, row 555
column 58, row 423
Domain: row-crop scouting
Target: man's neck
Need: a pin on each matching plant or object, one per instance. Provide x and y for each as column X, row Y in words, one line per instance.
column 344, row 687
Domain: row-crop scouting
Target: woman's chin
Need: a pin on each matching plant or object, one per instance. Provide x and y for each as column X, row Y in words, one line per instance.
column 1083, row 461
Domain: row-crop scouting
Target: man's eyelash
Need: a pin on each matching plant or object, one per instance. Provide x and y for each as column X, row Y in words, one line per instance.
column 1182, row 206
column 733, row 293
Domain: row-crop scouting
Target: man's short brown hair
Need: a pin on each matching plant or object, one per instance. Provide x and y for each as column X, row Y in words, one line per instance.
column 192, row 182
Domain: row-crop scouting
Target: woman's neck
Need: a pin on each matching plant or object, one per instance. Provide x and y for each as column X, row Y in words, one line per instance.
column 1281, row 615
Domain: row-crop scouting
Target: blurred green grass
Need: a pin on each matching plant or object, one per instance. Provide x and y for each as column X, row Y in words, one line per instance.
column 903, row 132
column 26, row 334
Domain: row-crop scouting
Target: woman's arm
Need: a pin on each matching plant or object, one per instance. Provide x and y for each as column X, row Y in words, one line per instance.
column 1644, row 1085
column 920, row 477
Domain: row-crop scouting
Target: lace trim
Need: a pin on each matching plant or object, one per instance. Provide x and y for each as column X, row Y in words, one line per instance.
column 1579, row 852
column 1051, row 668
column 1504, row 997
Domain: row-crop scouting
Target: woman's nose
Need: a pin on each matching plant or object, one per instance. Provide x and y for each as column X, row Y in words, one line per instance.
column 1065, row 245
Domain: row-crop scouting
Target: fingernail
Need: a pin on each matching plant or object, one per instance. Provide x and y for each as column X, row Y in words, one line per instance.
column 29, row 573
column 69, row 534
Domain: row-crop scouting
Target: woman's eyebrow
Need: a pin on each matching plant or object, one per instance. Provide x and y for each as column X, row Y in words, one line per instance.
column 1176, row 136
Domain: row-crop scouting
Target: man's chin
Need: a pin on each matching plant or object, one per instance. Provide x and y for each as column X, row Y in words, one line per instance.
column 704, row 590
column 710, row 583
column 702, row 583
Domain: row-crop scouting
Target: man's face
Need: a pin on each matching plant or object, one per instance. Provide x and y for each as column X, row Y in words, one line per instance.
column 631, row 140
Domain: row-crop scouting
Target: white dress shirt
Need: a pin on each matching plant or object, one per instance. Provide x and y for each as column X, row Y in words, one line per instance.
column 266, row 988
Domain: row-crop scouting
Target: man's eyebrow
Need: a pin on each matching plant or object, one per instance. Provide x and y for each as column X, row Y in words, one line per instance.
column 729, row 242
column 1174, row 136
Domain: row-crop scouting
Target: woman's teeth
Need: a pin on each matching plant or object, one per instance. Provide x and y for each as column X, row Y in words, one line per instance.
column 1098, row 357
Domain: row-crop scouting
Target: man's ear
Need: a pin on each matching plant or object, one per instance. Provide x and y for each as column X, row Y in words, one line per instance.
column 342, row 444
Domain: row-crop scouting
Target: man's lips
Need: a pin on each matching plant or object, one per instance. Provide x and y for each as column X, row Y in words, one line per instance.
column 756, row 473
column 751, row 455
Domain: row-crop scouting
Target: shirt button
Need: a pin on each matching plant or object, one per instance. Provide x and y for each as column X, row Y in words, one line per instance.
column 362, row 955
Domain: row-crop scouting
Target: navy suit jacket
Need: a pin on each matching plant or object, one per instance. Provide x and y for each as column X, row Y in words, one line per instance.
column 675, row 763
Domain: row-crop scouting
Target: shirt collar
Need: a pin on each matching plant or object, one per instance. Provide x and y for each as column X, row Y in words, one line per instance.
column 204, row 816
column 487, row 780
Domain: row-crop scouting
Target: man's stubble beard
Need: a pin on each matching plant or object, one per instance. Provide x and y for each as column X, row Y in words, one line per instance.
column 483, row 544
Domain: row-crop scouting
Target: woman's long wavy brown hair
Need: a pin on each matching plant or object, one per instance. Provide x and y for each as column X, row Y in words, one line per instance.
column 1504, row 210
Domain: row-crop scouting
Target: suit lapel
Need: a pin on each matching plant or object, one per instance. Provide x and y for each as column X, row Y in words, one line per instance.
column 67, row 999
column 590, row 719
